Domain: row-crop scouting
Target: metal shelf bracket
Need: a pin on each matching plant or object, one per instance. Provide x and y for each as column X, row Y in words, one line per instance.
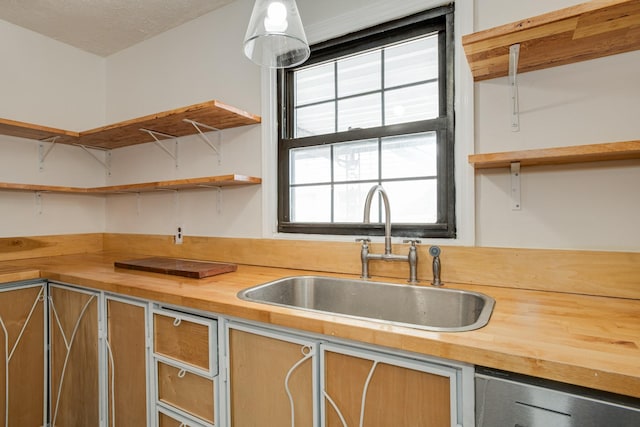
column 106, row 163
column 38, row 197
column 42, row 153
column 154, row 134
column 516, row 204
column 217, row 148
column 514, row 54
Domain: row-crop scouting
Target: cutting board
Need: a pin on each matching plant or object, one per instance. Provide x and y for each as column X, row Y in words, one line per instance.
column 178, row 267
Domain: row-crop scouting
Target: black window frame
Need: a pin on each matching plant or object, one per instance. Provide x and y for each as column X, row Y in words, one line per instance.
column 438, row 20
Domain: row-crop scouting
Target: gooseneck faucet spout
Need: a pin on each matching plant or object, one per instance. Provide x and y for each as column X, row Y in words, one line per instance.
column 387, row 214
column 366, row 256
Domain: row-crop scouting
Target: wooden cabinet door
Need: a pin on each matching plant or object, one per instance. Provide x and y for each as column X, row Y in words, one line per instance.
column 126, row 362
column 22, row 375
column 262, row 366
column 383, row 392
column 74, row 363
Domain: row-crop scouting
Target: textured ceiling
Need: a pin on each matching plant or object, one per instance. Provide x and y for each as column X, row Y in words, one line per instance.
column 103, row 27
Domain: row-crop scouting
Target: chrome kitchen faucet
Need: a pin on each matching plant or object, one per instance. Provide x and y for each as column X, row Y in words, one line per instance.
column 365, row 256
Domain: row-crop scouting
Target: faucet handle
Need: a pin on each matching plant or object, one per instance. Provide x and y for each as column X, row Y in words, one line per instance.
column 412, row 241
column 364, row 240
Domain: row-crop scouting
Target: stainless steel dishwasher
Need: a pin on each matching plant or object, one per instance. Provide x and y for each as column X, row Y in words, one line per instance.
column 505, row 399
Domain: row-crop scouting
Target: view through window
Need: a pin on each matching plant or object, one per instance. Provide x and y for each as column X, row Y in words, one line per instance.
column 372, row 109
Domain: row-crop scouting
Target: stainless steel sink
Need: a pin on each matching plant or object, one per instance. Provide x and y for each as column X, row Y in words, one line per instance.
column 420, row 307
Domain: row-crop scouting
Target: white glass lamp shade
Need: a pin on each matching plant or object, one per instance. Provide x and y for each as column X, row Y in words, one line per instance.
column 275, row 37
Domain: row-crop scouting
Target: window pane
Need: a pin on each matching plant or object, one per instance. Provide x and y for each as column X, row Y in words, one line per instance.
column 371, row 108
column 314, row 84
column 349, row 203
column 413, row 201
column 359, row 112
column 310, row 165
column 359, row 74
column 311, row 204
column 315, row 120
column 412, row 103
column 411, row 62
column 355, row 161
column 407, row 156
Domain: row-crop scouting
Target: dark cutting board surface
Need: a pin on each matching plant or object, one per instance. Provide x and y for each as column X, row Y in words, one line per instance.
column 178, row 267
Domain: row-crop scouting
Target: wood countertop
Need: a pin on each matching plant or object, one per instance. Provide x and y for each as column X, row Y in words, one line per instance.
column 584, row 340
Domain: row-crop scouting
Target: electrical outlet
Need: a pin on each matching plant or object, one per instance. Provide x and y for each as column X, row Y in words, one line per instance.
column 177, row 238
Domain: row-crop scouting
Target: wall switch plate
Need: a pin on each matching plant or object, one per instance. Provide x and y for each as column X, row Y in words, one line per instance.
column 177, row 237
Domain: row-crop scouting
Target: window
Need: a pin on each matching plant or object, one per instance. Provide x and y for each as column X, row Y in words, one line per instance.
column 373, row 107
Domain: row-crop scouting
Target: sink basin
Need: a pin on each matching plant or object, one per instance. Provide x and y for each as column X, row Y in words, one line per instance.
column 420, row 307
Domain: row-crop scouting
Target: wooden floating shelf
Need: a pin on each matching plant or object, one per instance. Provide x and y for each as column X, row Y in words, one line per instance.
column 561, row 155
column 9, row 186
column 211, row 113
column 179, row 184
column 578, row 33
column 31, row 131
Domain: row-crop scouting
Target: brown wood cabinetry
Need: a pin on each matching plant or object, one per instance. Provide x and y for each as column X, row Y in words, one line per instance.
column 185, row 350
column 261, row 368
column 371, row 390
column 187, row 391
column 127, row 362
column 22, row 375
column 187, row 341
column 74, row 361
column 165, row 420
column 169, row 419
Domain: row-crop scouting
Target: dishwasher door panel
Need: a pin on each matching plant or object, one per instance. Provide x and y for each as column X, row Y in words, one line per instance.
column 505, row 402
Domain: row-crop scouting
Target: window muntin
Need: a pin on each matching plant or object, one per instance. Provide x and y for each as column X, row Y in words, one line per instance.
column 329, row 182
column 372, row 110
column 389, row 85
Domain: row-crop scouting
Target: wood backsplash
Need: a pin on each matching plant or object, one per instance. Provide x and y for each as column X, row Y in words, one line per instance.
column 615, row 274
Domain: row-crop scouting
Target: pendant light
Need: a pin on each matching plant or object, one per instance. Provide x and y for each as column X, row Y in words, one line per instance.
column 275, row 37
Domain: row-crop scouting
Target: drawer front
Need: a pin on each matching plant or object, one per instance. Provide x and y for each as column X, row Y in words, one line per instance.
column 187, row 339
column 167, row 419
column 186, row 391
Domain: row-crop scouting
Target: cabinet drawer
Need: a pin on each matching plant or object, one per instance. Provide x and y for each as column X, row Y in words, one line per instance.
column 188, row 339
column 186, row 391
column 166, row 418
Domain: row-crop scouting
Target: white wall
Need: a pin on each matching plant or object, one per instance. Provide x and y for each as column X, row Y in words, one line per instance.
column 49, row 83
column 588, row 206
column 198, row 61
column 234, row 212
column 591, row 206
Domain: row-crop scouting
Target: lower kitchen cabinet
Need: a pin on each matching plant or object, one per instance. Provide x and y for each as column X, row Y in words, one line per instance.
column 127, row 362
column 74, row 357
column 166, row 418
column 115, row 361
column 23, row 389
column 186, row 391
column 185, row 366
column 371, row 389
column 277, row 378
column 272, row 378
